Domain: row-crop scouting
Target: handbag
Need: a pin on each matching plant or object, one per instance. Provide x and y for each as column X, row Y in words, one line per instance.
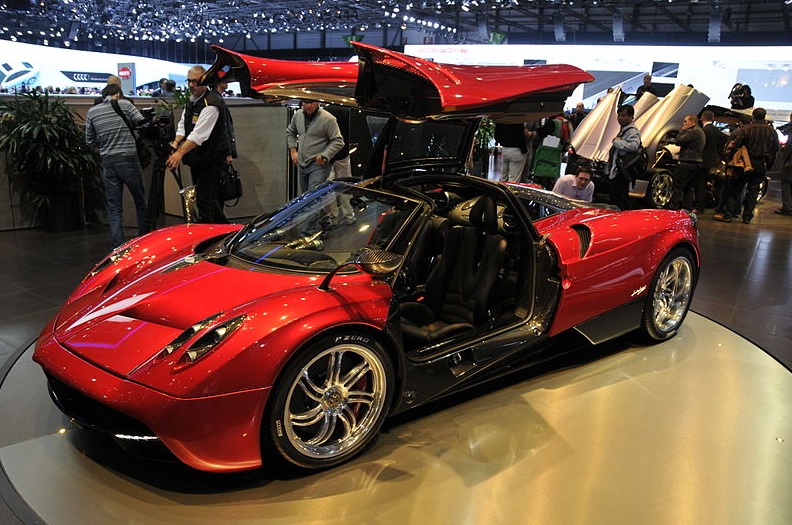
column 632, row 165
column 143, row 153
column 230, row 184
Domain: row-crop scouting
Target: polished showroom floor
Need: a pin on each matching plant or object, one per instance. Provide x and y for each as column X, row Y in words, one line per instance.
column 695, row 430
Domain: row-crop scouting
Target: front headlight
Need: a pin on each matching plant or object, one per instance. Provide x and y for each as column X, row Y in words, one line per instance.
column 212, row 338
column 200, row 339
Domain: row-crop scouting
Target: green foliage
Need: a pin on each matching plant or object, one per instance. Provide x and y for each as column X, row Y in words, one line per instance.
column 46, row 153
column 485, row 136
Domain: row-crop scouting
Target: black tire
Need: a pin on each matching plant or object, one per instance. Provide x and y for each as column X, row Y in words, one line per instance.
column 329, row 403
column 669, row 298
column 660, row 190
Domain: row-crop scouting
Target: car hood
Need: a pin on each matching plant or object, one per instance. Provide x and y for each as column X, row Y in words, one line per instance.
column 122, row 325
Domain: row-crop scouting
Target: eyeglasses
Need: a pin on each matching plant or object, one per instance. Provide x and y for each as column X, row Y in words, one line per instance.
column 191, row 81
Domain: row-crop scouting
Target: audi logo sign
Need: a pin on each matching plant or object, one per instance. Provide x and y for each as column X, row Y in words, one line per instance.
column 86, row 76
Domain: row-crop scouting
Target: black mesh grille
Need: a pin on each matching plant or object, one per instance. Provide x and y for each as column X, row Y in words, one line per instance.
column 88, row 412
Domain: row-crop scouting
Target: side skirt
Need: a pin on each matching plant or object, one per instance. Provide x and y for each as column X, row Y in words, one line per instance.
column 614, row 323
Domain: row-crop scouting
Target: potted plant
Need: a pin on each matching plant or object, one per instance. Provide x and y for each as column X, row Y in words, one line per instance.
column 50, row 166
column 484, row 140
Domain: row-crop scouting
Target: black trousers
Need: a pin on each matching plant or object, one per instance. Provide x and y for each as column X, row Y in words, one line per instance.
column 685, row 176
column 206, row 177
column 620, row 192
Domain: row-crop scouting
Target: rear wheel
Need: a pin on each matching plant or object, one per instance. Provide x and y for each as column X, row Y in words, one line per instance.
column 330, row 402
column 669, row 299
column 660, row 190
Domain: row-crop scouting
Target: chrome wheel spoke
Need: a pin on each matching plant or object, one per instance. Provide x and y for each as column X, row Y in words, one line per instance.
column 309, row 388
column 360, row 397
column 355, row 375
column 325, row 432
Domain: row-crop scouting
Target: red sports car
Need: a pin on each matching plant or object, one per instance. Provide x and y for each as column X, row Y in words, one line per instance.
column 288, row 341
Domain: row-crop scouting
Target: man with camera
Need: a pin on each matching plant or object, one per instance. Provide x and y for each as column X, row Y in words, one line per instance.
column 105, row 128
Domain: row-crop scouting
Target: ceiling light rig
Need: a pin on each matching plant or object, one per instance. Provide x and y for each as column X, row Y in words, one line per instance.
column 160, row 21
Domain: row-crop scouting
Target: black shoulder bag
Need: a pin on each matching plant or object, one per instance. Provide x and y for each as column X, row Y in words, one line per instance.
column 230, row 185
column 143, row 153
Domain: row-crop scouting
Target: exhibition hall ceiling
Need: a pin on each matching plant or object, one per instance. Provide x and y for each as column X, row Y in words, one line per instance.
column 440, row 21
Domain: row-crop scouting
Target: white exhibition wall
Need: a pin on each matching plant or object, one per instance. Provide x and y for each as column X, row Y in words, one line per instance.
column 62, row 68
column 712, row 70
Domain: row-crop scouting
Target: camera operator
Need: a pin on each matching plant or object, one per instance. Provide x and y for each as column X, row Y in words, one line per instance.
column 741, row 97
column 105, row 128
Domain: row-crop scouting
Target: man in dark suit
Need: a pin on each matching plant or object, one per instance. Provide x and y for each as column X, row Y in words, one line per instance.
column 712, row 156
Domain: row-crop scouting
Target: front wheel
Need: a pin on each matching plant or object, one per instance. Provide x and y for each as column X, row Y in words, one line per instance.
column 669, row 299
column 330, row 402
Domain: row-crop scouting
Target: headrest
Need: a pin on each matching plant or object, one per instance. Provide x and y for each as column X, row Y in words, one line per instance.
column 484, row 215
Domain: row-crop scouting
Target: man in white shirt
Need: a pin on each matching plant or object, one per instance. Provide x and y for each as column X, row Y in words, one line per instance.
column 577, row 186
column 202, row 143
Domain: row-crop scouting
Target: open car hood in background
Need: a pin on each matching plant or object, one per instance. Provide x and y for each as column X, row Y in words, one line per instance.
column 404, row 86
column 654, row 117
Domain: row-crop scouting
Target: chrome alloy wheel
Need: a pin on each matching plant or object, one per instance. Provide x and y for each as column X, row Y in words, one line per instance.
column 672, row 294
column 335, row 401
column 661, row 190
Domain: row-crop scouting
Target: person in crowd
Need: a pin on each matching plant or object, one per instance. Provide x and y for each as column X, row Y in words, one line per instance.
column 578, row 186
column 646, row 87
column 160, row 89
column 690, row 140
column 231, row 154
column 628, row 140
column 342, row 214
column 761, row 141
column 711, row 157
column 114, row 80
column 341, row 163
column 105, row 129
column 741, row 97
column 786, row 171
column 167, row 89
column 578, row 115
column 313, row 138
column 202, row 143
column 512, row 138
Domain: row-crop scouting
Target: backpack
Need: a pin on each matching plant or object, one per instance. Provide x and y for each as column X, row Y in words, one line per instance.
column 633, row 164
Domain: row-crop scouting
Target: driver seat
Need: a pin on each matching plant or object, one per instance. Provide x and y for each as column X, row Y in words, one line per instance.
column 459, row 286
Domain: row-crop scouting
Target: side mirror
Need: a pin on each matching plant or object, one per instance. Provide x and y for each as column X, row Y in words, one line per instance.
column 378, row 263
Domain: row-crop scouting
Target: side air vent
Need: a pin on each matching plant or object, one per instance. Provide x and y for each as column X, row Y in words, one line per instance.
column 584, row 234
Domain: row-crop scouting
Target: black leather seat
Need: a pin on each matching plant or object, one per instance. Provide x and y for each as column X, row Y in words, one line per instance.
column 459, row 287
column 425, row 253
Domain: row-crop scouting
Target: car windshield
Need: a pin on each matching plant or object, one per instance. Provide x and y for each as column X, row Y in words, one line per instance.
column 326, row 227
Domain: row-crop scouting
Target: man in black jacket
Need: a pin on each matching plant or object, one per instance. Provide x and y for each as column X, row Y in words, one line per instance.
column 202, row 143
column 761, row 141
column 691, row 145
column 711, row 157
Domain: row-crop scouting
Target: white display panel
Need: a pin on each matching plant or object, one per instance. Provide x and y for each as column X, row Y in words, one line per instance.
column 63, row 68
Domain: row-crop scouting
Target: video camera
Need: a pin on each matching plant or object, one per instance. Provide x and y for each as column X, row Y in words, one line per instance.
column 159, row 129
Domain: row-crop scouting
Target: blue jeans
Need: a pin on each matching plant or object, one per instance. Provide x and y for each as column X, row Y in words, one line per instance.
column 313, row 175
column 117, row 171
